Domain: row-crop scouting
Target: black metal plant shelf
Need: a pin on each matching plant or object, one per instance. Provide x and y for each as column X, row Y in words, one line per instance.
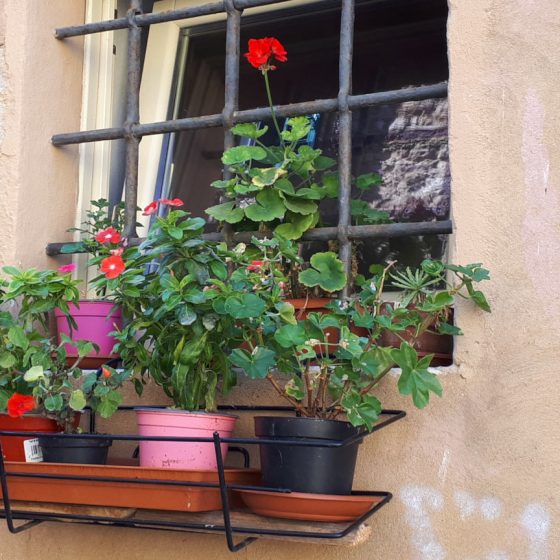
column 231, row 530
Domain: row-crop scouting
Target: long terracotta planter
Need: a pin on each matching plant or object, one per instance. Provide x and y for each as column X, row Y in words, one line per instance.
column 13, row 446
column 124, row 494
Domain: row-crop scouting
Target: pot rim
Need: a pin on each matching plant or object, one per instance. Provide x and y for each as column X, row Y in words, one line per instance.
column 169, row 410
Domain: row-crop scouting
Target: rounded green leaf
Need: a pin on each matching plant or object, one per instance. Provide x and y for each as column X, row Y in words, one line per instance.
column 269, row 206
column 226, row 212
column 327, row 272
column 241, row 154
column 77, row 400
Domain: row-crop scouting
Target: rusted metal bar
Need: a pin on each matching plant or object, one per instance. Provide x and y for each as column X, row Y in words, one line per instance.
column 345, row 136
column 143, row 20
column 231, row 85
column 134, row 72
column 382, row 231
column 293, row 109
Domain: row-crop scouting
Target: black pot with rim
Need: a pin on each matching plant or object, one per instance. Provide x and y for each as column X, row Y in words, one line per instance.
column 301, row 468
column 88, row 451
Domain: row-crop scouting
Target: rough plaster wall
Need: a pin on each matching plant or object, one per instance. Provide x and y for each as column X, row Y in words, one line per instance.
column 475, row 476
column 38, row 188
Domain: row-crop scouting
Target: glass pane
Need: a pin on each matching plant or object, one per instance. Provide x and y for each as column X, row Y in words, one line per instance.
column 405, row 143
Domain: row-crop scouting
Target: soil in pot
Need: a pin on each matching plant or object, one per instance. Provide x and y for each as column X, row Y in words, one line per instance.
column 318, row 470
column 13, row 447
column 95, row 320
column 181, row 423
column 86, row 451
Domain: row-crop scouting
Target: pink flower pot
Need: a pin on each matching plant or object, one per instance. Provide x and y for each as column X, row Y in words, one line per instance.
column 194, row 456
column 95, row 321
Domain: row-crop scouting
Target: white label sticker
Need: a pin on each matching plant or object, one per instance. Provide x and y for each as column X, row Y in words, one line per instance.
column 33, row 451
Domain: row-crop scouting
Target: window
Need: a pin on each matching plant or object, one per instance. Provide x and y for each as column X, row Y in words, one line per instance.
column 397, row 44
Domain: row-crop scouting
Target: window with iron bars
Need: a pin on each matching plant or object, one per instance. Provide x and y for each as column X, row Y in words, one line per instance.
column 344, row 105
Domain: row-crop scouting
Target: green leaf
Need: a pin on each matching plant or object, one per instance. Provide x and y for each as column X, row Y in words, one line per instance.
column 249, row 130
column 297, row 128
column 287, row 312
column 296, row 227
column 77, row 400
column 436, row 302
column 109, row 404
column 300, row 206
column 327, row 272
column 226, row 212
column 269, row 206
column 479, row 298
column 295, row 388
column 264, row 177
column 415, row 379
column 244, row 306
column 219, row 270
column 362, row 410
column 53, row 403
column 256, row 364
column 290, row 335
column 446, row 328
column 186, row 315
column 364, row 182
column 16, row 336
column 89, row 382
column 7, row 360
column 241, row 154
column 34, row 374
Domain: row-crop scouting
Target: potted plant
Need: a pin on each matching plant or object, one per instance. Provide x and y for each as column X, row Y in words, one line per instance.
column 26, row 299
column 418, row 287
column 177, row 338
column 95, row 319
column 63, row 391
column 278, row 190
column 324, row 386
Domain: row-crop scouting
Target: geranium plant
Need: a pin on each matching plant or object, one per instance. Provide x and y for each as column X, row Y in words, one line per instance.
column 328, row 378
column 278, row 188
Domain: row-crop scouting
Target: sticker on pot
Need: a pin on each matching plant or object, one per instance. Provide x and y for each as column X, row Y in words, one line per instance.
column 33, row 451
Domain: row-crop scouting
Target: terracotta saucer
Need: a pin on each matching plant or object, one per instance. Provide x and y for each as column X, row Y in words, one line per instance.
column 307, row 507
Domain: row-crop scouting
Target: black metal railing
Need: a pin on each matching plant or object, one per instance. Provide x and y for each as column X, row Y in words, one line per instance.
column 250, row 533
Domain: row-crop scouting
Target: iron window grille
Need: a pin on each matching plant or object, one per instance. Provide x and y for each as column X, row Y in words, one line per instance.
column 132, row 130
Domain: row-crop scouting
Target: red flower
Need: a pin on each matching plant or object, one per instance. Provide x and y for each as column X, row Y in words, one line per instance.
column 112, row 266
column 172, row 202
column 151, row 209
column 67, row 268
column 255, row 265
column 117, row 252
column 109, row 235
column 263, row 51
column 18, row 405
column 106, row 373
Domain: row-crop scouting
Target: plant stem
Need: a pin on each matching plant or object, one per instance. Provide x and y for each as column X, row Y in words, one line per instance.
column 283, row 394
column 271, row 105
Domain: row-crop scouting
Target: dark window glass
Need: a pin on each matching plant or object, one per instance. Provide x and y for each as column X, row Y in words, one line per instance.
column 397, row 44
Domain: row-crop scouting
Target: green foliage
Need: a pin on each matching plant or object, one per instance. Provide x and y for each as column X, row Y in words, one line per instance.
column 327, row 272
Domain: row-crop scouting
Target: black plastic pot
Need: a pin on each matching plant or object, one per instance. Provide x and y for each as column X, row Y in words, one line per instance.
column 318, row 470
column 75, row 450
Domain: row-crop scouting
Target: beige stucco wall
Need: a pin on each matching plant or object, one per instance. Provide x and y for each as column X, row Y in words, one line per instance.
column 475, row 476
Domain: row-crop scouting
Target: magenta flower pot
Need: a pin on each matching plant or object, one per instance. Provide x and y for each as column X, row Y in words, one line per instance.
column 95, row 321
column 194, row 456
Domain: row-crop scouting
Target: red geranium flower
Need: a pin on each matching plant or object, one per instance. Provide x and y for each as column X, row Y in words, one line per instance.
column 109, row 235
column 151, row 209
column 263, row 51
column 255, row 265
column 18, row 405
column 112, row 266
column 172, row 202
